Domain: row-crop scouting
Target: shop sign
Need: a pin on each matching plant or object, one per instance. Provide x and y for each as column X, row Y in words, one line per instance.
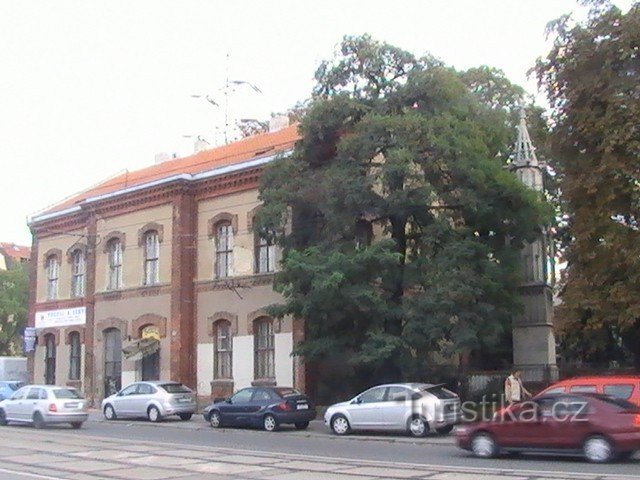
column 61, row 318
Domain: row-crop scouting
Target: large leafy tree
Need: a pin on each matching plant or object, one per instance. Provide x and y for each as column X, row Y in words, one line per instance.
column 14, row 297
column 405, row 227
column 592, row 78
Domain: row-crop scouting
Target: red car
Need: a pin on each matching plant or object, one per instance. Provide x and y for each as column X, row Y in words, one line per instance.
column 626, row 387
column 600, row 427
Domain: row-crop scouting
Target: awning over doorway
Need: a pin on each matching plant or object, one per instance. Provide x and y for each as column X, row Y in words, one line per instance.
column 141, row 348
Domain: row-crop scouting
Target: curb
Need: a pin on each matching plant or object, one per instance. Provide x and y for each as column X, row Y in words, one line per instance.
column 357, row 437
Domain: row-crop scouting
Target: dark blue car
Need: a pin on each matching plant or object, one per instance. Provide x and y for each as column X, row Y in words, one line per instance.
column 266, row 407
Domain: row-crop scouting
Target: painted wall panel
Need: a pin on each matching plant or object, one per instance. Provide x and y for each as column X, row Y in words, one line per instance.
column 284, row 360
column 242, row 361
column 205, row 368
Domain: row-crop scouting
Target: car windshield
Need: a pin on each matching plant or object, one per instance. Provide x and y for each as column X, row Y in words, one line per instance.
column 15, row 386
column 66, row 393
column 174, row 388
column 439, row 392
column 286, row 392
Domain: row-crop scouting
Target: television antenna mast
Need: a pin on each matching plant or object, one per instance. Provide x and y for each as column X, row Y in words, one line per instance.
column 230, row 86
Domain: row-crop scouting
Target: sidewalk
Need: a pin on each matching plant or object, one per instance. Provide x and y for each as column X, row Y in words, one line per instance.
column 316, row 429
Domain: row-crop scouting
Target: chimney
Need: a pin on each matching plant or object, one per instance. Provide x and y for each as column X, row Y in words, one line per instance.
column 164, row 156
column 278, row 122
column 200, row 145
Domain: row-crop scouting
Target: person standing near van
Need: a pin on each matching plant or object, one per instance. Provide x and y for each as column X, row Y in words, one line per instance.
column 514, row 390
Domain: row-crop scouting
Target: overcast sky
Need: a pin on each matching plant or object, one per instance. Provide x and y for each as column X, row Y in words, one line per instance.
column 90, row 88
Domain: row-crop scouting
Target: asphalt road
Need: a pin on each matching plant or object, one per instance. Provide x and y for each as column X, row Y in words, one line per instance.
column 318, row 442
column 138, row 449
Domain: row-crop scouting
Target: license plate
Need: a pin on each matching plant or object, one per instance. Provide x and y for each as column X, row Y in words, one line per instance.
column 185, row 400
column 303, row 407
column 73, row 405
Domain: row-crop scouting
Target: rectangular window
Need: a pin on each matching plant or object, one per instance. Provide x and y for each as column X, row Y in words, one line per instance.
column 115, row 265
column 264, row 342
column 50, row 360
column 224, row 250
column 74, row 356
column 265, row 256
column 223, row 349
column 78, row 274
column 53, row 273
column 152, row 258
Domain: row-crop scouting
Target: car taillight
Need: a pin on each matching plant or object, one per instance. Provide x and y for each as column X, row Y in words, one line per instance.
column 53, row 407
column 636, row 420
column 285, row 407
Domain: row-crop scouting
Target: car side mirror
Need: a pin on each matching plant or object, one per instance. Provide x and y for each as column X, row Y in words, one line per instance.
column 228, row 400
column 357, row 400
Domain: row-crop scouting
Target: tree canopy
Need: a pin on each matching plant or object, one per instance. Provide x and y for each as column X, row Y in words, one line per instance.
column 14, row 298
column 401, row 227
column 592, row 79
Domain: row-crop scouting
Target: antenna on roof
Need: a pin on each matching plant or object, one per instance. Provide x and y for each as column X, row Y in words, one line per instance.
column 230, row 86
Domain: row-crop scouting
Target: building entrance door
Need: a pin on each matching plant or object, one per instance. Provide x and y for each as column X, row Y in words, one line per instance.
column 151, row 366
column 112, row 361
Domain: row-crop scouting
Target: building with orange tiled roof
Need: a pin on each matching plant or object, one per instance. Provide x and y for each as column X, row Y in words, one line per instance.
column 157, row 274
column 12, row 254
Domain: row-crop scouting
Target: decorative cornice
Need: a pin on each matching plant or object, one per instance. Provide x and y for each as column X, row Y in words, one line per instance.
column 143, row 291
column 231, row 283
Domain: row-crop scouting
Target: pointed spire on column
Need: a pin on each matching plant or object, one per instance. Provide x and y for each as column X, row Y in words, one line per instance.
column 524, row 160
column 525, row 154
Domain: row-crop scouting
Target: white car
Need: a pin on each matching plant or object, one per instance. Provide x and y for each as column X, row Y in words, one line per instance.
column 416, row 408
column 153, row 399
column 41, row 405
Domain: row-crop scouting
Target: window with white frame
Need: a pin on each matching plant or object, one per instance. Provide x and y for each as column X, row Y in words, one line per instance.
column 78, row 271
column 74, row 356
column 114, row 252
column 224, row 250
column 151, row 257
column 265, row 255
column 223, row 353
column 53, row 274
column 264, row 348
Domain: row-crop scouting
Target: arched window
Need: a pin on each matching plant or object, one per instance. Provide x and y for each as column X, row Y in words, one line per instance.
column 50, row 359
column 265, row 255
column 53, row 274
column 78, row 271
column 223, row 351
column 114, row 252
column 264, row 348
column 224, row 249
column 151, row 257
column 74, row 356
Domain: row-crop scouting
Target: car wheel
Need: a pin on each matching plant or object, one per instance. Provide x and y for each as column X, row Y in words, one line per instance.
column 153, row 414
column 185, row 416
column 38, row 421
column 301, row 425
column 269, row 423
column 484, row 446
column 76, row 425
column 214, row 419
column 598, row 449
column 109, row 412
column 418, row 427
column 340, row 425
column 3, row 418
column 444, row 430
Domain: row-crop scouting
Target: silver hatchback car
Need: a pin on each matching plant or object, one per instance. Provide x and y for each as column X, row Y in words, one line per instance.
column 153, row 399
column 416, row 408
column 44, row 404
